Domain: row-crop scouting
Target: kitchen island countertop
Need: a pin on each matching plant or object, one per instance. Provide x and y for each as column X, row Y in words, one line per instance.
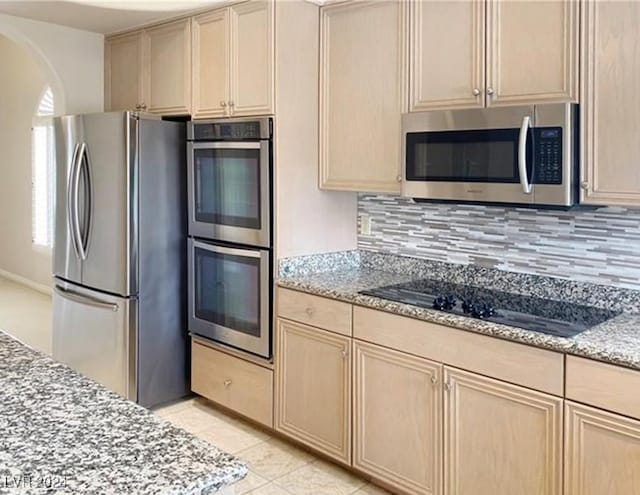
column 63, row 433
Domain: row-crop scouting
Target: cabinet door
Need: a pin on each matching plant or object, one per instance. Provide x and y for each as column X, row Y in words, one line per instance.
column 123, row 72
column 252, row 58
column 602, row 453
column 363, row 92
column 532, row 51
column 397, row 418
column 500, row 439
column 211, row 64
column 313, row 388
column 168, row 68
column 610, row 100
column 447, row 45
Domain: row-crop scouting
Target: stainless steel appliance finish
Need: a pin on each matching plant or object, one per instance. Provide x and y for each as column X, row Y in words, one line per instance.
column 119, row 264
column 229, row 164
column 230, row 295
column 537, row 167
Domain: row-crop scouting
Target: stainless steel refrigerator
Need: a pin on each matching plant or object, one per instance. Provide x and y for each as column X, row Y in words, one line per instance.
column 119, row 255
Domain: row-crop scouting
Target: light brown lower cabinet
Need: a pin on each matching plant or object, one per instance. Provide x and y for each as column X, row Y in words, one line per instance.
column 500, row 439
column 398, row 418
column 313, row 388
column 602, row 452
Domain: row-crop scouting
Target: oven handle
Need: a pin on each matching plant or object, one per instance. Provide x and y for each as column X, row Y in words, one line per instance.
column 248, row 253
column 228, row 145
column 522, row 155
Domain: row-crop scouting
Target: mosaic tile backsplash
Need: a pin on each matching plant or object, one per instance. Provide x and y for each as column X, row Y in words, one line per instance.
column 600, row 246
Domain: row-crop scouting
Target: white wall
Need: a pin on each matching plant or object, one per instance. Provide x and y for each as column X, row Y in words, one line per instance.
column 33, row 54
column 20, row 90
column 74, row 59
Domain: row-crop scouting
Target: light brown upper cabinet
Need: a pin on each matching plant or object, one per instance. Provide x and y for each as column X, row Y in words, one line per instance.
column 602, row 452
column 448, row 54
column 363, row 92
column 150, row 70
column 313, row 388
column 167, row 78
column 398, row 418
column 610, row 101
column 123, row 81
column 456, row 63
column 233, row 61
column 500, row 438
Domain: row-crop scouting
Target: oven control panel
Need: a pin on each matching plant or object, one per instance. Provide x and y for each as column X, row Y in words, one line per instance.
column 548, row 155
column 230, row 131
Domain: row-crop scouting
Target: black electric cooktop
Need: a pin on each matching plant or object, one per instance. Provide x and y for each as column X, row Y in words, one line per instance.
column 547, row 316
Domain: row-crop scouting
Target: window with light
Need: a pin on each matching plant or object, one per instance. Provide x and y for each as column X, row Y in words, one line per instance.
column 43, row 159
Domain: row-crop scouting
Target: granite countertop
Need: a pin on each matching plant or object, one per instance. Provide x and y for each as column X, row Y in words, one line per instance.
column 63, row 433
column 616, row 341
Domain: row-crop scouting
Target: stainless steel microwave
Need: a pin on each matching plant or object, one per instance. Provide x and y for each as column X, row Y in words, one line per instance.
column 525, row 155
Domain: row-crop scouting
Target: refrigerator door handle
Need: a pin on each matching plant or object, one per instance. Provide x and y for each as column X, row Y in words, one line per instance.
column 86, row 300
column 85, row 228
column 77, row 230
column 71, row 197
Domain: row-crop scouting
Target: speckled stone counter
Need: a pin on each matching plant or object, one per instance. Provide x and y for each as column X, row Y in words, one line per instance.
column 63, row 433
column 616, row 341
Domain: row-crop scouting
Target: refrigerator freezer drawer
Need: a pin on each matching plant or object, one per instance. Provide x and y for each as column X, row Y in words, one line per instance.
column 95, row 334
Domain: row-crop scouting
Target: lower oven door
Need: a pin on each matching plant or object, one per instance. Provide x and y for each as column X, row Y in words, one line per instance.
column 230, row 296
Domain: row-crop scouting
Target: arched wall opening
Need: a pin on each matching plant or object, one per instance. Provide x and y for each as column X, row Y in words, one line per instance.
column 24, row 79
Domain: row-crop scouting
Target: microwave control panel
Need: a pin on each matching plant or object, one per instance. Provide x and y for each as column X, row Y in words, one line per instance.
column 548, row 155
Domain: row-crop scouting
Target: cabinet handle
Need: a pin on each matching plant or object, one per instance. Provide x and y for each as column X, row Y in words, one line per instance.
column 398, row 178
column 584, row 185
column 227, row 383
column 344, row 353
column 489, row 91
column 309, row 311
column 434, row 380
column 223, row 104
column 476, row 92
column 143, row 106
column 447, row 386
column 231, row 104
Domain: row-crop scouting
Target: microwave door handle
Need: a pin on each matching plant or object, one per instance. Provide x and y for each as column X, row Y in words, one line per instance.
column 522, row 155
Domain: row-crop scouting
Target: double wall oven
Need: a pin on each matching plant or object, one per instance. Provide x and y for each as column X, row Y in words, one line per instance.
column 230, row 165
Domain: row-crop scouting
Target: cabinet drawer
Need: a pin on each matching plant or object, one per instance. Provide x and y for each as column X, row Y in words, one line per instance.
column 239, row 385
column 603, row 385
column 509, row 361
column 314, row 310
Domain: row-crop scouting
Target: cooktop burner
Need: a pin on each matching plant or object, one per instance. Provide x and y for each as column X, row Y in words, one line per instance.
column 531, row 313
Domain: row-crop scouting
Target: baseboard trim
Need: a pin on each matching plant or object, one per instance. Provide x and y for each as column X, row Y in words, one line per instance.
column 26, row 282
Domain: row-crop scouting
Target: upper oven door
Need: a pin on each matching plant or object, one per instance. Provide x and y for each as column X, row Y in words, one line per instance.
column 469, row 155
column 229, row 193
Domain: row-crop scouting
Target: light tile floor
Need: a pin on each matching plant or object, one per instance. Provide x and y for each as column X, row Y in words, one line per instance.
column 275, row 466
column 26, row 314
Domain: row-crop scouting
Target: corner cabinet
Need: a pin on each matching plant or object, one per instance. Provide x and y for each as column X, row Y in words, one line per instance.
column 480, row 53
column 602, row 452
column 397, row 418
column 233, row 61
column 363, row 93
column 150, row 70
column 123, row 74
column 313, row 388
column 609, row 118
column 500, row 438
